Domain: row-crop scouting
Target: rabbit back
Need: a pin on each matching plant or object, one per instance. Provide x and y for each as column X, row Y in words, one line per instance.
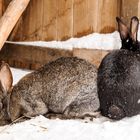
column 67, row 85
column 73, row 87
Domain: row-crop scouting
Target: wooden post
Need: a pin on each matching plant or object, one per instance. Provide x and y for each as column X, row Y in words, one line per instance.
column 1, row 8
column 129, row 9
column 10, row 18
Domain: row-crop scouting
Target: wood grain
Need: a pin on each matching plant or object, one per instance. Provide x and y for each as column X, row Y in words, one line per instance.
column 80, row 18
column 1, row 7
column 30, row 57
column 61, row 19
column 32, row 21
column 49, row 20
column 65, row 19
column 130, row 8
column 10, row 18
column 107, row 12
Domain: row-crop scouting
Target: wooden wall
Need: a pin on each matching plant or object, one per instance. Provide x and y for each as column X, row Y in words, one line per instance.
column 130, row 8
column 59, row 20
column 1, row 5
column 62, row 19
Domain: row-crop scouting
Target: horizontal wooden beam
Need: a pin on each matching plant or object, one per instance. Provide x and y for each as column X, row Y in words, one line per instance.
column 30, row 57
column 93, row 56
column 33, row 57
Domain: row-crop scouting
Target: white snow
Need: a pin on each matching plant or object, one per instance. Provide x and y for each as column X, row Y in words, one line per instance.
column 91, row 41
column 18, row 74
column 109, row 41
column 41, row 128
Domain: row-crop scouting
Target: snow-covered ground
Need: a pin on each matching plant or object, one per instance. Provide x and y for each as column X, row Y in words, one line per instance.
column 41, row 128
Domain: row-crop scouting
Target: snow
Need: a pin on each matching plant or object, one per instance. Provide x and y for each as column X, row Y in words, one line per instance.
column 109, row 41
column 92, row 41
column 18, row 74
column 41, row 128
column 101, row 128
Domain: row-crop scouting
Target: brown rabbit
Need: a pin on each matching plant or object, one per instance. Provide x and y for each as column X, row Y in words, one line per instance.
column 66, row 86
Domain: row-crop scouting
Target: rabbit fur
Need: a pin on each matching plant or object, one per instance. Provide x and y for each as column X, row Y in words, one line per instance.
column 65, row 86
column 118, row 79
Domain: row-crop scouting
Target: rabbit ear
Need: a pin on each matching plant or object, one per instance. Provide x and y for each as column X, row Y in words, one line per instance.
column 6, row 77
column 134, row 25
column 123, row 29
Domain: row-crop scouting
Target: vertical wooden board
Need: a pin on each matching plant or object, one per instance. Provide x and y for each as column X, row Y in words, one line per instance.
column 49, row 28
column 32, row 21
column 29, row 27
column 138, row 9
column 16, row 34
column 107, row 12
column 65, row 19
column 129, row 8
column 80, row 18
column 1, row 7
column 5, row 4
column 93, row 15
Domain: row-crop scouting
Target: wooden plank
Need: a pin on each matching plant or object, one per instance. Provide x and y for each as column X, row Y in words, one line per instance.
column 33, row 57
column 1, row 7
column 80, row 18
column 32, row 21
column 107, row 12
column 17, row 32
column 93, row 56
column 49, row 20
column 5, row 4
column 65, row 19
column 93, row 15
column 30, row 57
column 29, row 27
column 10, row 18
column 60, row 19
column 129, row 8
column 138, row 9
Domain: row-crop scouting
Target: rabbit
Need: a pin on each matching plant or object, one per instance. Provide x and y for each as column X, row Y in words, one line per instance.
column 129, row 37
column 66, row 86
column 118, row 77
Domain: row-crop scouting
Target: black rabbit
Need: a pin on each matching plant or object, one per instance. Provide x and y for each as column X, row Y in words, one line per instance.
column 119, row 75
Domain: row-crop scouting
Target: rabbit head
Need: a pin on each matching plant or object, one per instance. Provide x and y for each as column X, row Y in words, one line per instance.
column 129, row 35
column 6, row 81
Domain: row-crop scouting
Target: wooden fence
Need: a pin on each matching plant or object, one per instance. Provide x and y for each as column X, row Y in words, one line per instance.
column 59, row 20
column 62, row 19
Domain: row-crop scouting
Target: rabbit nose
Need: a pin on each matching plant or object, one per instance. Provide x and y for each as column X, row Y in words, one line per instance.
column 115, row 112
